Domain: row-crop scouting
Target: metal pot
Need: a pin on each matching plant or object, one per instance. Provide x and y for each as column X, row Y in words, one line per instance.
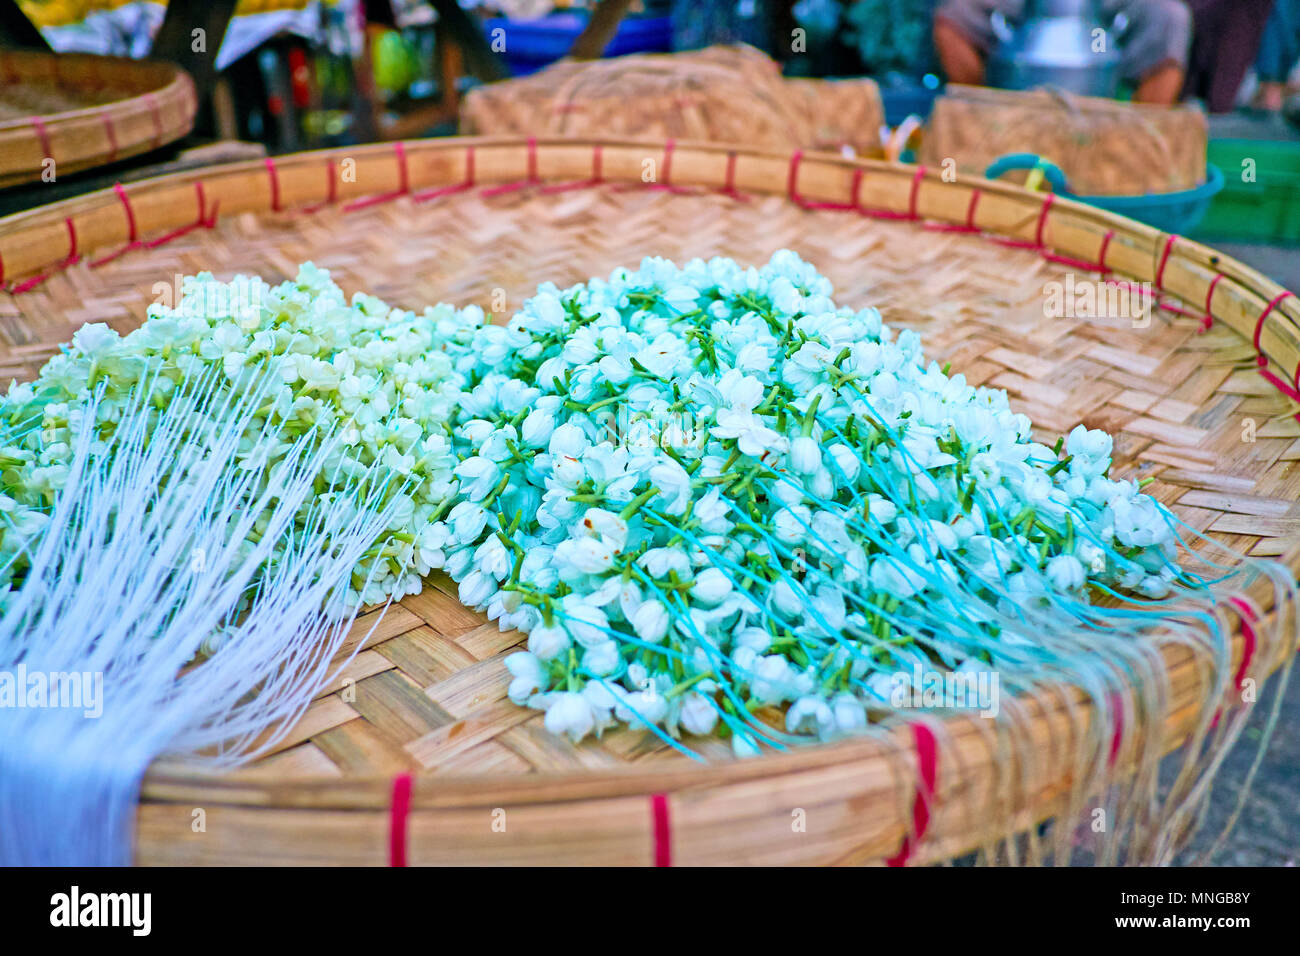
column 1063, row 43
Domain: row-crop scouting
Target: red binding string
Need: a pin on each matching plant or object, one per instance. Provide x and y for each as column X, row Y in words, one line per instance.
column 667, row 182
column 275, row 184
column 1261, row 360
column 43, row 134
column 1208, row 319
column 916, row 193
column 792, row 180
column 1101, row 252
column 331, row 186
column 398, row 812
column 669, row 146
column 913, row 195
column 403, row 183
column 72, row 258
column 597, row 175
column 969, row 225
column 1248, row 644
column 1039, row 230
column 729, row 184
column 112, row 135
column 200, row 221
column 457, row 188
column 1164, row 261
column 133, row 235
column 1117, row 739
column 1098, row 267
column 663, row 831
column 157, row 119
column 927, row 768
column 792, row 187
column 532, row 179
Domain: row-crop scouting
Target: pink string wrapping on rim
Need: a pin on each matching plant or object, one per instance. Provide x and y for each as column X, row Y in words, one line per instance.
column 107, row 117
column 667, row 184
column 927, row 760
column 1164, row 261
column 398, row 812
column 274, row 175
column 72, row 258
column 792, row 187
column 133, row 234
column 457, row 188
column 1261, row 360
column 1248, row 644
column 157, row 119
column 1208, row 320
column 331, row 187
column 597, row 175
column 1098, row 267
column 403, row 184
column 729, row 184
column 914, row 194
column 43, row 134
column 1040, row 230
column 969, row 225
column 200, row 221
column 1117, row 738
column 531, row 180
column 663, row 831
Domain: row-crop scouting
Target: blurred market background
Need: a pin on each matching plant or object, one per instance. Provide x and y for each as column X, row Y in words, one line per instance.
column 1181, row 113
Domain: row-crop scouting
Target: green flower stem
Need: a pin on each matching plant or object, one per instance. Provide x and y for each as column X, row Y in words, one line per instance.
column 811, row 415
column 496, row 492
column 1060, row 465
column 687, row 684
column 635, row 504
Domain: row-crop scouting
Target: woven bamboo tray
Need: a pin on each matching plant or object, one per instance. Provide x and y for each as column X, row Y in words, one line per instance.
column 83, row 111
column 414, row 754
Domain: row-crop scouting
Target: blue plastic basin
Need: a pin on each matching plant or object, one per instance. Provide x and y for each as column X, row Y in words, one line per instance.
column 532, row 44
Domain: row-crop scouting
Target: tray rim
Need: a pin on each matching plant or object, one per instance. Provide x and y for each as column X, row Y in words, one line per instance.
column 1067, row 227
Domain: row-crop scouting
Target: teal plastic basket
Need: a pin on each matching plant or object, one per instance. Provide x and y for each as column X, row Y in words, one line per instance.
column 1177, row 212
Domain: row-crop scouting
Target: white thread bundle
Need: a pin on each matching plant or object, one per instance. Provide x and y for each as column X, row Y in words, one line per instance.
column 161, row 538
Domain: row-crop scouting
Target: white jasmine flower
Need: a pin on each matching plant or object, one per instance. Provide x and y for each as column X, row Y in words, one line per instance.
column 570, row 714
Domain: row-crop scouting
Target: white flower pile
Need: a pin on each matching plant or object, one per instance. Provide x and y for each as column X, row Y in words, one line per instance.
column 372, row 372
column 701, row 491
column 708, row 489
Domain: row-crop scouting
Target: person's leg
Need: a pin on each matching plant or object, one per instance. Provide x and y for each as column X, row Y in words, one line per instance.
column 963, row 35
column 1226, row 42
column 1161, row 85
column 961, row 60
column 1154, row 49
column 1273, row 62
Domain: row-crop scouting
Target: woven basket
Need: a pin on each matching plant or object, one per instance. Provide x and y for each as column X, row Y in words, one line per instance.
column 414, row 754
column 1106, row 148
column 727, row 94
column 83, row 111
